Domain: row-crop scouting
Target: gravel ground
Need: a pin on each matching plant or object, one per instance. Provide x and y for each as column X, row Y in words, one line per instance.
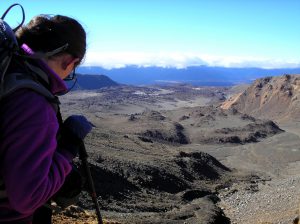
column 275, row 201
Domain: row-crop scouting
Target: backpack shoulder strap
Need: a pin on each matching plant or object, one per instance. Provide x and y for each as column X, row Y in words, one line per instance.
column 16, row 81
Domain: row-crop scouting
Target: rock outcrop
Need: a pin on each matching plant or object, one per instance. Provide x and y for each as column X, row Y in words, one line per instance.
column 275, row 98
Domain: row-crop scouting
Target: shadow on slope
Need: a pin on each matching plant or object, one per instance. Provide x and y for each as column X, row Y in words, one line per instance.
column 169, row 188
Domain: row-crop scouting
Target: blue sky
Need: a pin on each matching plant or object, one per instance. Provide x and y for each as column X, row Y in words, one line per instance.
column 180, row 33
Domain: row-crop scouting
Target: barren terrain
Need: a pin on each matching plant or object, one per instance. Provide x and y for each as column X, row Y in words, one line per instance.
column 171, row 154
column 274, row 98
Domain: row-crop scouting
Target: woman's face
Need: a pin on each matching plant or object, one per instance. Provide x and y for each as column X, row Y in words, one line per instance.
column 63, row 65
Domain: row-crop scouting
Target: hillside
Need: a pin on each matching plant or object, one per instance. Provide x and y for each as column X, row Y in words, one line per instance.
column 275, row 98
column 92, row 82
column 148, row 167
column 169, row 154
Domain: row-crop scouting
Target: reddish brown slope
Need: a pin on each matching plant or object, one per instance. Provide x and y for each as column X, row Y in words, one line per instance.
column 276, row 98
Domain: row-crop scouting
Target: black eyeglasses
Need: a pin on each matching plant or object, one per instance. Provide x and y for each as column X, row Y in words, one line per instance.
column 71, row 76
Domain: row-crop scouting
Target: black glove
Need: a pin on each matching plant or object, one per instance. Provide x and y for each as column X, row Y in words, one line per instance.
column 69, row 193
column 78, row 125
column 73, row 131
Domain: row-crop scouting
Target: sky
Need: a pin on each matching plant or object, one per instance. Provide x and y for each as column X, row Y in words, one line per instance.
column 180, row 33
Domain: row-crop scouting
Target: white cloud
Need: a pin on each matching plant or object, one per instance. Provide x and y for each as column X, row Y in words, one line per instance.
column 181, row 60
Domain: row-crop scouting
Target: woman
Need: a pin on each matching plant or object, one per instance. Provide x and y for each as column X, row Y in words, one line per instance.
column 33, row 165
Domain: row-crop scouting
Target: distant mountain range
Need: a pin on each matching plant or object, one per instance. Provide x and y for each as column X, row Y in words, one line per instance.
column 197, row 75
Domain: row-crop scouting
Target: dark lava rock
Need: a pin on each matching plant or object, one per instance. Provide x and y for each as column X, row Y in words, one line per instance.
column 190, row 195
column 250, row 133
column 111, row 184
column 144, row 139
column 199, row 165
column 171, row 136
column 161, row 180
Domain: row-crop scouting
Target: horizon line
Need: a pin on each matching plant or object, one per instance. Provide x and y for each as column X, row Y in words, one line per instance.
column 121, row 59
column 186, row 67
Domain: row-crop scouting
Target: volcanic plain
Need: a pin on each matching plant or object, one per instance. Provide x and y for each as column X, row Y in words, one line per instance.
column 186, row 154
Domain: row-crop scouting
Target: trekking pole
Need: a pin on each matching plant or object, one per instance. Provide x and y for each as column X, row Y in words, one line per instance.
column 83, row 157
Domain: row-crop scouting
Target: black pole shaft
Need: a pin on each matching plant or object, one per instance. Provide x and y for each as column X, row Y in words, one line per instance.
column 83, row 157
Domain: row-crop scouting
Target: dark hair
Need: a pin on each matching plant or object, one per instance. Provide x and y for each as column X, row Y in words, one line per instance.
column 46, row 33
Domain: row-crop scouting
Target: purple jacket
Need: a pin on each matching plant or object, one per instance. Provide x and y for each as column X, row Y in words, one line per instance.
column 30, row 165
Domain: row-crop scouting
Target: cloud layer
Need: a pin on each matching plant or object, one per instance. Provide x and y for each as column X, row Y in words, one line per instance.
column 181, row 60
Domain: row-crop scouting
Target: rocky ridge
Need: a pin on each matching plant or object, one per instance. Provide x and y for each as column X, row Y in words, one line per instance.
column 275, row 98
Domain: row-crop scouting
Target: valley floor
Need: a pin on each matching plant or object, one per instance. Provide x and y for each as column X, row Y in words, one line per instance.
column 276, row 201
column 273, row 201
column 264, row 188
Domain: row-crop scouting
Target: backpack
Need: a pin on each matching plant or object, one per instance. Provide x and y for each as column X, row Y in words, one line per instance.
column 35, row 79
column 9, row 47
column 8, row 42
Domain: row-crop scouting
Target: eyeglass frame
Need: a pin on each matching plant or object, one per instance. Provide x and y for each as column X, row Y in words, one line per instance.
column 71, row 76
